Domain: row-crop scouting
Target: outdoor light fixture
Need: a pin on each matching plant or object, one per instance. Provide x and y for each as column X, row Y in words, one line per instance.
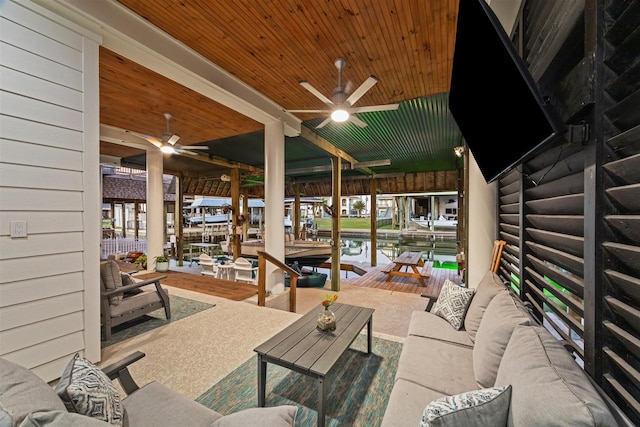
column 340, row 115
column 167, row 149
column 225, row 178
column 459, row 151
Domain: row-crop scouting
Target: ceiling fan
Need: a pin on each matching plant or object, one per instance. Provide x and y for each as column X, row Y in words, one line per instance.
column 168, row 142
column 341, row 106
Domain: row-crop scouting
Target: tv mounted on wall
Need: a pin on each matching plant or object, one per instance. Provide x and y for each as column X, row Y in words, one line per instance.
column 493, row 98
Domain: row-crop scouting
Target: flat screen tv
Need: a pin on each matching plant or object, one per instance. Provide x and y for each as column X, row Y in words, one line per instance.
column 493, row 97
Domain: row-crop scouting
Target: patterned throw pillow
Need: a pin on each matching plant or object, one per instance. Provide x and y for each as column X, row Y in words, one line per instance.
column 85, row 389
column 452, row 303
column 486, row 407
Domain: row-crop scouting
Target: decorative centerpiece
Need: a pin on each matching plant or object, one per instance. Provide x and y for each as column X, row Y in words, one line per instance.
column 327, row 319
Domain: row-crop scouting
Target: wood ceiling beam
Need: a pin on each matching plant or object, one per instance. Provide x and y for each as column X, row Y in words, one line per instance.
column 325, row 145
column 218, row 161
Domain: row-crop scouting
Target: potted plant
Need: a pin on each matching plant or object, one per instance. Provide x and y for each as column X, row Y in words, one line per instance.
column 141, row 262
column 162, row 263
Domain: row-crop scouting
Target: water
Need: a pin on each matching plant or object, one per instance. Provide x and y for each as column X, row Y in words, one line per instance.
column 440, row 251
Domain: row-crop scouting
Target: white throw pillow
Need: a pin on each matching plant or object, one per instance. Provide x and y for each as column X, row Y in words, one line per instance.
column 85, row 389
column 452, row 303
column 487, row 407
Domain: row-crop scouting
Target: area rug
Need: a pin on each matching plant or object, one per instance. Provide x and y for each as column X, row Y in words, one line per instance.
column 180, row 308
column 357, row 394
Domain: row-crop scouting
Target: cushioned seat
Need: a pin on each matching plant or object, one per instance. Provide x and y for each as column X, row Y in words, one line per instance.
column 123, row 299
column 85, row 396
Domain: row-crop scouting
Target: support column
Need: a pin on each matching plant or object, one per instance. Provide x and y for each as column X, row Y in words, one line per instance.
column 274, row 202
column 155, row 207
column 246, row 213
column 374, row 226
column 336, row 162
column 178, row 228
column 296, row 211
column 235, row 207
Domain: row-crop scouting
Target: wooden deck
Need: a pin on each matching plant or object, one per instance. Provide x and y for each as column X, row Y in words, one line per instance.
column 228, row 289
column 375, row 278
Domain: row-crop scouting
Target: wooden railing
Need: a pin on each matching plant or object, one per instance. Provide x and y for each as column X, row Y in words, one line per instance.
column 263, row 257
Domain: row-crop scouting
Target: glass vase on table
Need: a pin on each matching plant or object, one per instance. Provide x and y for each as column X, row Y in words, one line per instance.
column 327, row 318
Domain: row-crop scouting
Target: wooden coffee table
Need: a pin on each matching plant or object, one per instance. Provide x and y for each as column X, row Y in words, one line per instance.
column 303, row 348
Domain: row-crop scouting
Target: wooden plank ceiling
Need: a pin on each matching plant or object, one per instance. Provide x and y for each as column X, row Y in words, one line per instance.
column 271, row 46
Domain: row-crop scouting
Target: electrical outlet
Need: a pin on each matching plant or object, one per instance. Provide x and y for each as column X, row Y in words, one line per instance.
column 18, row 228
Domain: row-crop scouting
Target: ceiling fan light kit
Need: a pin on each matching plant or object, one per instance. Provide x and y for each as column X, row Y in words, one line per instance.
column 340, row 115
column 342, row 106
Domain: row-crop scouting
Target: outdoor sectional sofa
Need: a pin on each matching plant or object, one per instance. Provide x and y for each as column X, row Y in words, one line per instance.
column 527, row 376
column 85, row 396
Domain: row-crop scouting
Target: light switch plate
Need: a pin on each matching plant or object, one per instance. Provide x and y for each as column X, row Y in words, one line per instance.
column 18, row 228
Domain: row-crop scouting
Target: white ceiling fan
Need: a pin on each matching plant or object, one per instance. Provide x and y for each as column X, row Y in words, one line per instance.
column 168, row 142
column 341, row 107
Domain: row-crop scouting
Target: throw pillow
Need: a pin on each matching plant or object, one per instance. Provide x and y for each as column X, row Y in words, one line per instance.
column 452, row 303
column 277, row 416
column 128, row 280
column 111, row 279
column 486, row 407
column 85, row 389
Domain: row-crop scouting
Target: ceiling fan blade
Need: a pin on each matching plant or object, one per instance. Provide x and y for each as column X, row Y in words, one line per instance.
column 357, row 121
column 371, row 108
column 153, row 140
column 324, row 123
column 173, row 139
column 192, row 147
column 309, row 111
column 316, row 92
column 186, row 151
column 362, row 89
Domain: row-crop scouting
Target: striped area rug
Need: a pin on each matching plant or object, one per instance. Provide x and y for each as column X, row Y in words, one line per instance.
column 357, row 394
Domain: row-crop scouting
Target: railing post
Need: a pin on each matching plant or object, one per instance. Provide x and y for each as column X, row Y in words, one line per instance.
column 263, row 257
column 293, row 283
column 262, row 282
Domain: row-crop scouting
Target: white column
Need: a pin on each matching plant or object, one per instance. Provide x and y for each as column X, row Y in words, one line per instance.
column 155, row 207
column 274, row 202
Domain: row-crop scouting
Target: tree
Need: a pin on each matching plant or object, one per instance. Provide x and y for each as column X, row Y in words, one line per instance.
column 359, row 206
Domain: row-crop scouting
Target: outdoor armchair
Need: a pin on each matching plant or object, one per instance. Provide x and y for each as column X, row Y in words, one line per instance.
column 122, row 298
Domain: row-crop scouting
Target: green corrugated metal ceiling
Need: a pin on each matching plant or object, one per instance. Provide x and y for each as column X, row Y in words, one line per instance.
column 419, row 136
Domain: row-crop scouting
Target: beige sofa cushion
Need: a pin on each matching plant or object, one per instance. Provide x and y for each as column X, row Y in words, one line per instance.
column 156, row 405
column 500, row 318
column 440, row 366
column 548, row 386
column 23, row 392
column 406, row 404
column 428, row 325
column 488, row 288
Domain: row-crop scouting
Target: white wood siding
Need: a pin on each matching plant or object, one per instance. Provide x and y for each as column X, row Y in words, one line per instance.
column 49, row 285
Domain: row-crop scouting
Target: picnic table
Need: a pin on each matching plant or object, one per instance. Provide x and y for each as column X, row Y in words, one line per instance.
column 413, row 266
